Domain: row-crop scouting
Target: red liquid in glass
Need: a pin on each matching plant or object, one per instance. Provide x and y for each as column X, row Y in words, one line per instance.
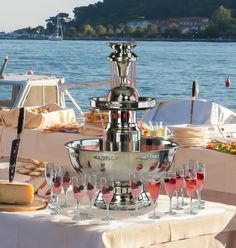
column 154, row 189
column 179, row 183
column 191, row 184
column 200, row 180
column 170, row 186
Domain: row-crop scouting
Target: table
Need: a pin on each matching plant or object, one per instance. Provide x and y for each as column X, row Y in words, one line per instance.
column 221, row 167
column 40, row 229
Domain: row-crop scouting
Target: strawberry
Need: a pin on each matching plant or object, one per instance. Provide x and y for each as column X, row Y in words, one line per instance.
column 172, row 180
column 76, row 189
column 105, row 190
column 134, row 185
column 110, row 188
column 90, row 186
column 166, row 180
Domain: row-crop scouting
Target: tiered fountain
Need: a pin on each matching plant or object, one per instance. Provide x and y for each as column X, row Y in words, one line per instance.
column 123, row 150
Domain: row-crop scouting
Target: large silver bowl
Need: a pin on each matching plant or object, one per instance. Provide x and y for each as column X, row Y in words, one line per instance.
column 89, row 155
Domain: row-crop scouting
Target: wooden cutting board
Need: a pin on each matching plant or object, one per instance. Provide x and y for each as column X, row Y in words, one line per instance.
column 37, row 204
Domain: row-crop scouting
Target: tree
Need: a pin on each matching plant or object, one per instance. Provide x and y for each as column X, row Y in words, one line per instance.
column 100, row 30
column 222, row 18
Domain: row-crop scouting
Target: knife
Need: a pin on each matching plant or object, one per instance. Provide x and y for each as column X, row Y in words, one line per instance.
column 195, row 91
column 15, row 146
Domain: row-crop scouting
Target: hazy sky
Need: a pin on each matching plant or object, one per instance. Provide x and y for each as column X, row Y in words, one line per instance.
column 15, row 14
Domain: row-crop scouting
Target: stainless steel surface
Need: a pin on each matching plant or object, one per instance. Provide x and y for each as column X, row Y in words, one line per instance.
column 123, row 150
column 90, row 155
column 102, row 103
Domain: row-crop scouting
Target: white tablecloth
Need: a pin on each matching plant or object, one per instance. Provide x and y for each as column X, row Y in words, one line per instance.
column 213, row 227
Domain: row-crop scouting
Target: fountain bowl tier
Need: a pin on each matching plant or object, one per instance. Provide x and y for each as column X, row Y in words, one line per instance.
column 90, row 156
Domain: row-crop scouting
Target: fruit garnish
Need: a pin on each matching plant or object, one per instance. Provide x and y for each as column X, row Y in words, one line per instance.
column 187, row 178
column 110, row 188
column 81, row 187
column 166, row 180
column 134, row 185
column 90, row 186
column 105, row 190
column 173, row 180
column 76, row 189
column 139, row 183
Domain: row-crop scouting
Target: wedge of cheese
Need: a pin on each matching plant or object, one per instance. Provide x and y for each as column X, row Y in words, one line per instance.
column 16, row 193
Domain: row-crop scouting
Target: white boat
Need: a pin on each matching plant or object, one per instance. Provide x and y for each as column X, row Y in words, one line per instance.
column 58, row 36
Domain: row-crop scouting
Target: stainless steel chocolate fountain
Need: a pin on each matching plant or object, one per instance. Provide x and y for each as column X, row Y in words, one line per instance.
column 123, row 150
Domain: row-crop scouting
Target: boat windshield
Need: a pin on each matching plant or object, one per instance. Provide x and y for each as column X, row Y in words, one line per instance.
column 8, row 94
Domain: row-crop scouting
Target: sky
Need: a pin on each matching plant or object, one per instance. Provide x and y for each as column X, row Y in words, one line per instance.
column 16, row 14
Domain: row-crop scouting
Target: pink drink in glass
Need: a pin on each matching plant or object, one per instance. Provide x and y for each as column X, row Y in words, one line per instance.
column 78, row 192
column 56, row 190
column 191, row 184
column 66, row 181
column 107, row 193
column 136, row 189
column 170, row 186
column 200, row 180
column 179, row 182
column 154, row 188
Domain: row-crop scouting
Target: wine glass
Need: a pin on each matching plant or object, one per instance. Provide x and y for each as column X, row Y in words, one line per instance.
column 48, row 176
column 56, row 189
column 179, row 185
column 66, row 181
column 154, row 184
column 192, row 164
column 191, row 184
column 200, row 183
column 170, row 187
column 107, row 189
column 183, row 188
column 136, row 185
column 78, row 191
column 91, row 190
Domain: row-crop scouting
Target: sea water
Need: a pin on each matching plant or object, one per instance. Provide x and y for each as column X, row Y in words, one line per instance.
column 165, row 70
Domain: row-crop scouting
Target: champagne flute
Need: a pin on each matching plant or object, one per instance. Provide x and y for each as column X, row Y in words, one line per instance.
column 78, row 190
column 91, row 190
column 107, row 189
column 170, row 187
column 56, row 189
column 183, row 188
column 179, row 185
column 154, row 184
column 66, row 181
column 136, row 184
column 200, row 183
column 191, row 184
column 192, row 164
column 48, row 176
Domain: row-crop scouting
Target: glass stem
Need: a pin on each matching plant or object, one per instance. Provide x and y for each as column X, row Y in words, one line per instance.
column 108, row 206
column 182, row 195
column 136, row 205
column 77, row 208
column 177, row 200
column 191, row 205
column 170, row 210
column 65, row 197
column 199, row 198
column 154, row 208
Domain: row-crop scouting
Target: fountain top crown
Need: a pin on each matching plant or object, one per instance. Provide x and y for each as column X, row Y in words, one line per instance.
column 122, row 52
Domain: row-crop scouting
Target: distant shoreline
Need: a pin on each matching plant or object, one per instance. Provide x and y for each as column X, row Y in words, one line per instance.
column 132, row 39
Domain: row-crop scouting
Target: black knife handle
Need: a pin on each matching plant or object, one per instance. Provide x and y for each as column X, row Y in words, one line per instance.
column 20, row 121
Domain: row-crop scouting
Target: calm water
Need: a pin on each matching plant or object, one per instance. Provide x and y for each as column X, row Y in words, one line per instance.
column 164, row 69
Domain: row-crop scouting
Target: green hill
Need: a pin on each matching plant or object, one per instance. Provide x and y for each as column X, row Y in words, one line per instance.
column 120, row 11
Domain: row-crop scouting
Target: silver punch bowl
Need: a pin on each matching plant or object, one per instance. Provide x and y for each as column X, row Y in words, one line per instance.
column 90, row 156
